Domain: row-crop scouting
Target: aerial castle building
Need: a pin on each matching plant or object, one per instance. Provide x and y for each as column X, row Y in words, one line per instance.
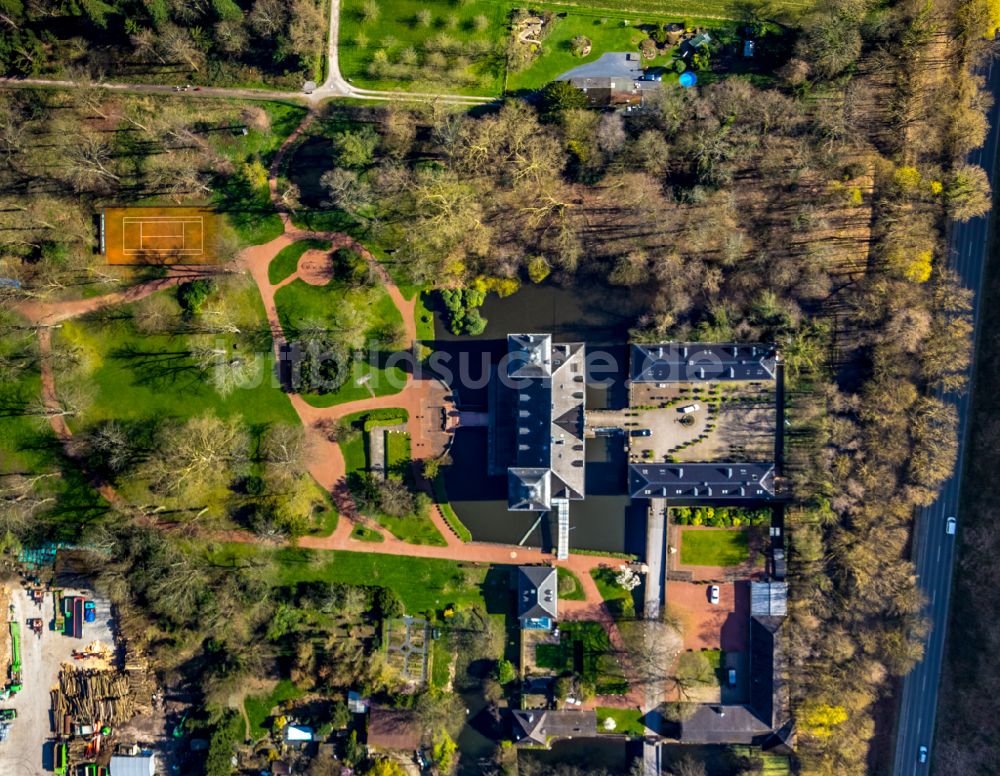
column 537, row 426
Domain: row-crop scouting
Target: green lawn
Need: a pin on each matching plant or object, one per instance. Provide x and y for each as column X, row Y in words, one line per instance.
column 337, row 305
column 421, row 583
column 469, row 62
column 570, row 588
column 258, row 707
column 397, row 451
column 365, row 534
column 287, row 260
column 620, row 601
column 28, row 446
column 627, row 721
column 324, row 522
column 714, row 547
column 597, row 663
column 441, row 658
column 424, row 318
column 704, row 667
column 414, row 529
column 139, row 376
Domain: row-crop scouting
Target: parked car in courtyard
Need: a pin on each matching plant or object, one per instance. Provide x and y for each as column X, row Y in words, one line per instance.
column 641, row 432
column 687, row 409
column 713, row 594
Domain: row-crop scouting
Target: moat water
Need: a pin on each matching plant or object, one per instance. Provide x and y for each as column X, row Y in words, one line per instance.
column 599, row 317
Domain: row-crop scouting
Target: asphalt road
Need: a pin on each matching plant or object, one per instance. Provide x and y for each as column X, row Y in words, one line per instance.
column 934, row 549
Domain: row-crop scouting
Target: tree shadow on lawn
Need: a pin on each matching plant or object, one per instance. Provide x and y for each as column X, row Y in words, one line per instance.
column 172, row 369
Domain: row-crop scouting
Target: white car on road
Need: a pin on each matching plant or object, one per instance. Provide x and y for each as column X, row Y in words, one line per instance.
column 950, row 525
column 713, row 594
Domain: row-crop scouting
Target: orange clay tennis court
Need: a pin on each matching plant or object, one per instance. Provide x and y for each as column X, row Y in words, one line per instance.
column 158, row 235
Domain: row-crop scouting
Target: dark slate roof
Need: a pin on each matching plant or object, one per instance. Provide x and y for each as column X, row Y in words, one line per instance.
column 701, row 480
column 766, row 720
column 768, row 694
column 537, row 592
column 547, row 382
column 718, row 724
column 675, row 362
column 537, row 726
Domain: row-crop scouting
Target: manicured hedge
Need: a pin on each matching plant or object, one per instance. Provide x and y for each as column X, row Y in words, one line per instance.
column 720, row 517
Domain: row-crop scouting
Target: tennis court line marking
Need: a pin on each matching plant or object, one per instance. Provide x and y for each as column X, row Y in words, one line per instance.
column 183, row 221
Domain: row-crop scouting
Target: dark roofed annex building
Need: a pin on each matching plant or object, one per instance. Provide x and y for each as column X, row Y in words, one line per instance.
column 537, row 597
column 683, row 362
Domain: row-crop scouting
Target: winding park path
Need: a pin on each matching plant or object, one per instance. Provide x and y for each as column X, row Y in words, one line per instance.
column 325, row 459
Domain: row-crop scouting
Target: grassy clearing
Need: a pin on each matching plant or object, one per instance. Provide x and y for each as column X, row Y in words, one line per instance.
column 258, row 707
column 464, row 61
column 627, row 721
column 413, row 529
column 242, row 196
column 138, row 376
column 593, row 660
column 570, row 588
column 421, row 583
column 287, row 260
column 27, row 445
column 714, row 547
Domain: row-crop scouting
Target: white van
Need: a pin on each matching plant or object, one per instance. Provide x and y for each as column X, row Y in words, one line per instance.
column 688, row 409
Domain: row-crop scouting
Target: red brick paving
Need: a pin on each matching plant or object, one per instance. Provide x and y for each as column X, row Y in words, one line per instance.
column 706, row 626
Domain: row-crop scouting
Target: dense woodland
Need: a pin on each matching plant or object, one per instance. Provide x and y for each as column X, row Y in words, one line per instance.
column 165, row 41
column 810, row 211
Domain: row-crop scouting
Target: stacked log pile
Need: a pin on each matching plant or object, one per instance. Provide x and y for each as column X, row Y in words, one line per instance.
column 94, row 697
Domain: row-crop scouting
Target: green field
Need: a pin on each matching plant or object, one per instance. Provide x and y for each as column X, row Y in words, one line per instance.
column 421, row 583
column 472, row 61
column 714, row 547
column 467, row 60
column 441, row 658
column 137, row 375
